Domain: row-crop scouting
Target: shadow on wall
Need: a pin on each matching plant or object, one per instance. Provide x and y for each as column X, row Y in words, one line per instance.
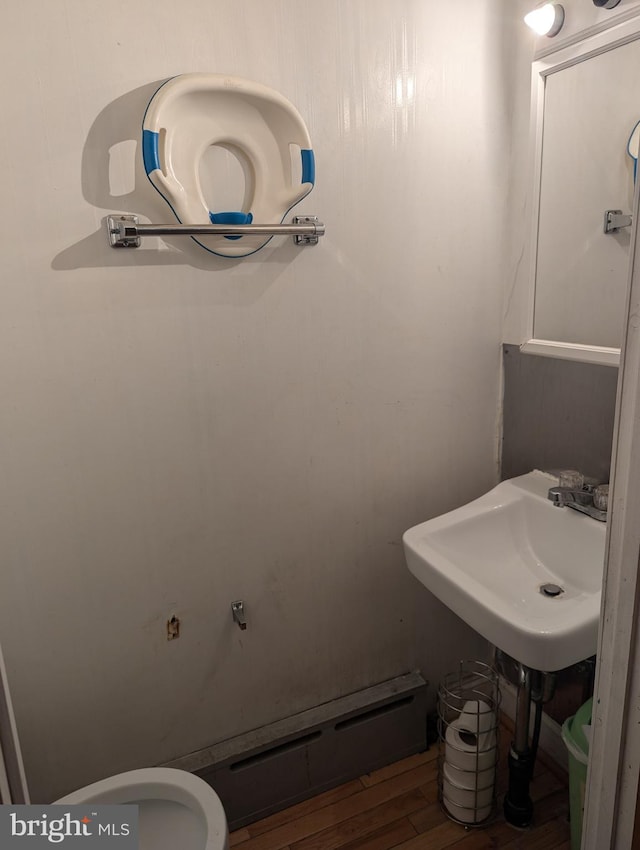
column 118, row 123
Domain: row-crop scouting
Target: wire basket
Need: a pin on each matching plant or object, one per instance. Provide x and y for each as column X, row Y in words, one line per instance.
column 468, row 704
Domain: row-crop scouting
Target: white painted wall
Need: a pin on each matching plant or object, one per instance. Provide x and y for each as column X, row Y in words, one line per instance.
column 179, row 431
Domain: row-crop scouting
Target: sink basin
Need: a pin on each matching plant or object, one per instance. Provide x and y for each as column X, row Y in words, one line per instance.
column 488, row 560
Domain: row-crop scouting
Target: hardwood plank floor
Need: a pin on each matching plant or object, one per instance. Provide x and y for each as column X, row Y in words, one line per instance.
column 396, row 808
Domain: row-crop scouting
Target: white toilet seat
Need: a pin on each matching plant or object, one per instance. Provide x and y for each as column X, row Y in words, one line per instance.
column 191, row 112
column 163, row 795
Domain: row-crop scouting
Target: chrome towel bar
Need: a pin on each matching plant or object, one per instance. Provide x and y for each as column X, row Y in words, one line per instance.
column 125, row 232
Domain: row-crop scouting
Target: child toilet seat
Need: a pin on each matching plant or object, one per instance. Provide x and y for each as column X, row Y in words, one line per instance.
column 191, row 112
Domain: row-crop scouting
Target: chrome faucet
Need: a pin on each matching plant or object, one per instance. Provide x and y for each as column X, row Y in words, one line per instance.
column 579, row 499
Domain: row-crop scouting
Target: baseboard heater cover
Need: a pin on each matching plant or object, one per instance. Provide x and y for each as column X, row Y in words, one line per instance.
column 281, row 764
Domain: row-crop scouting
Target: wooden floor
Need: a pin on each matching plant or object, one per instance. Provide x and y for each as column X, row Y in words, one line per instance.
column 397, row 807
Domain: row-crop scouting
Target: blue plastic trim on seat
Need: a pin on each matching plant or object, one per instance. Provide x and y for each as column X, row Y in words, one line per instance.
column 231, row 218
column 308, row 166
column 150, row 154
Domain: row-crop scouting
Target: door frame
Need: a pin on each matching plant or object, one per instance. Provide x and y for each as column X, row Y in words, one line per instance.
column 614, row 758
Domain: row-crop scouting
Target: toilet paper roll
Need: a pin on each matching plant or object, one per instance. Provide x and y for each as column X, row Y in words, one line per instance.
column 472, row 780
column 477, row 717
column 465, row 804
column 466, row 751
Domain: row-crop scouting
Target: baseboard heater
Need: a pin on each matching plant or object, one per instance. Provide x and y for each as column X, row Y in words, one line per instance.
column 273, row 767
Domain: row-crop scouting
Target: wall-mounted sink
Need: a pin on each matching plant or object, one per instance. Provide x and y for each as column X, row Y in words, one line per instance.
column 523, row 573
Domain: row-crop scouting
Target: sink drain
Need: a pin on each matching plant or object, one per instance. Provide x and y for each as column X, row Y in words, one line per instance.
column 551, row 590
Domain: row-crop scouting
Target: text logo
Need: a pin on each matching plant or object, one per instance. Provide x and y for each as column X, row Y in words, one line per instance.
column 72, row 827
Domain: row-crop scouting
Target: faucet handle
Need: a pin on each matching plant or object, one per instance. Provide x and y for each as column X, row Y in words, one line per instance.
column 571, row 478
column 601, row 497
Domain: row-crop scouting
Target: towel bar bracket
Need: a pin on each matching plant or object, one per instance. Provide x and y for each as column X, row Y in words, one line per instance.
column 308, row 238
column 125, row 232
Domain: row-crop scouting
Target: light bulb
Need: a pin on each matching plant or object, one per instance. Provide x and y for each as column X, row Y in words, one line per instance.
column 546, row 20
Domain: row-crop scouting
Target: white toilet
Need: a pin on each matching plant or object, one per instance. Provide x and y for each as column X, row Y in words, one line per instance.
column 176, row 808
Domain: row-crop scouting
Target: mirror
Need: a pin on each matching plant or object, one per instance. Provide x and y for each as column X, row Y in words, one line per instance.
column 587, row 134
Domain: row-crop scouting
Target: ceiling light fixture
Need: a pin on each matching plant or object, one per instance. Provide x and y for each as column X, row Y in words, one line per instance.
column 606, row 4
column 548, row 18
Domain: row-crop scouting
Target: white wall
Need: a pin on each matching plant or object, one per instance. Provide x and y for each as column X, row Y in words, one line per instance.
column 180, row 431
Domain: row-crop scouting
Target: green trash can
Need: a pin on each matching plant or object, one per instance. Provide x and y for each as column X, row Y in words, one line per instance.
column 576, row 736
